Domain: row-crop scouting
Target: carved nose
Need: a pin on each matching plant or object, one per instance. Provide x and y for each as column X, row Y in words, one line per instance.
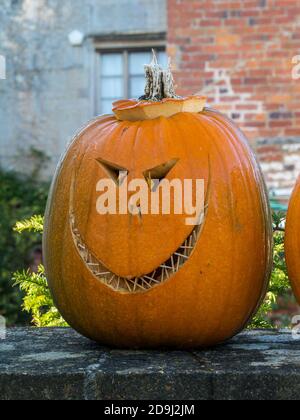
column 134, row 206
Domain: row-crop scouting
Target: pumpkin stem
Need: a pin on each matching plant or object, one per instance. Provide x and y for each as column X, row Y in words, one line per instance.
column 159, row 82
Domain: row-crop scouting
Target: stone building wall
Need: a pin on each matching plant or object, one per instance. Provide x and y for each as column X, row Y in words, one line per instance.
column 49, row 90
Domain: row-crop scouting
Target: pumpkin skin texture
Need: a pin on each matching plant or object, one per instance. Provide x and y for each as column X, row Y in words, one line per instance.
column 219, row 288
column 292, row 240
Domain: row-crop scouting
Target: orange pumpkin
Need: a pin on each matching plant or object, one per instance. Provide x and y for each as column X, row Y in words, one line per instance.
column 151, row 280
column 292, row 240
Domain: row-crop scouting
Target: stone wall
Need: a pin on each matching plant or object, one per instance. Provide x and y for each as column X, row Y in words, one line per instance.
column 48, row 93
column 58, row 364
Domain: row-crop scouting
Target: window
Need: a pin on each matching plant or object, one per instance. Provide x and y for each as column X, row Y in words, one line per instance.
column 122, row 75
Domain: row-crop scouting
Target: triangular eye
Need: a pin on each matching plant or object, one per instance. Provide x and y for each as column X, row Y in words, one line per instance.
column 155, row 175
column 116, row 172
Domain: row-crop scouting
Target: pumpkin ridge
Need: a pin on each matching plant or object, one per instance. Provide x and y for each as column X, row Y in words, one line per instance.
column 292, row 240
column 225, row 124
column 213, row 134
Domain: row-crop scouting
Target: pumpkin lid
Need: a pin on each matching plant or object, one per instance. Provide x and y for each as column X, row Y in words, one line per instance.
column 160, row 99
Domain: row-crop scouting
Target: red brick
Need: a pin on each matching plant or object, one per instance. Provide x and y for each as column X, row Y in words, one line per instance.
column 221, row 14
column 229, row 5
column 210, row 22
column 249, row 13
column 260, row 4
column 255, row 81
column 293, row 132
column 285, row 3
column 283, row 20
column 234, row 22
column 256, row 124
column 280, row 124
column 246, row 107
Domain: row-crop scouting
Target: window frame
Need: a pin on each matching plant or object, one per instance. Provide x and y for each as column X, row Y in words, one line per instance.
column 124, row 47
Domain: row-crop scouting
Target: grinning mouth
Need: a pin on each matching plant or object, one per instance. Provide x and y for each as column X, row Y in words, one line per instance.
column 137, row 284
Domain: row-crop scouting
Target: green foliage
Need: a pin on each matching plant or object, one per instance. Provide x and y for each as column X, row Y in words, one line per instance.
column 34, row 224
column 279, row 283
column 20, row 197
column 38, row 301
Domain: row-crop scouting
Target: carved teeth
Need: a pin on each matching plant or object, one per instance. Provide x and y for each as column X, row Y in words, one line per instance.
column 127, row 284
column 166, row 270
column 152, row 279
column 180, row 255
column 144, row 281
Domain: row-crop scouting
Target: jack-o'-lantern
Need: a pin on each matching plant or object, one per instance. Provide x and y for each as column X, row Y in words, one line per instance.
column 149, row 279
column 292, row 240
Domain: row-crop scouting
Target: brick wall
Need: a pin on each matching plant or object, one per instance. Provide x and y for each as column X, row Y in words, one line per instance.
column 239, row 54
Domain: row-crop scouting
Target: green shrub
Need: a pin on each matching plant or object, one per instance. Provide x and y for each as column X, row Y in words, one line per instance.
column 37, row 300
column 39, row 304
column 279, row 283
column 20, row 197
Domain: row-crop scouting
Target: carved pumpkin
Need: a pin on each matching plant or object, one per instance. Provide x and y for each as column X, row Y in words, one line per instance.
column 292, row 240
column 151, row 280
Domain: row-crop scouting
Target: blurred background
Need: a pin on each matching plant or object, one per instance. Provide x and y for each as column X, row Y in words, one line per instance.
column 68, row 60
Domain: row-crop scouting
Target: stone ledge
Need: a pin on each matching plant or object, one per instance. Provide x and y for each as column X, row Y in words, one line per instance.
column 57, row 364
